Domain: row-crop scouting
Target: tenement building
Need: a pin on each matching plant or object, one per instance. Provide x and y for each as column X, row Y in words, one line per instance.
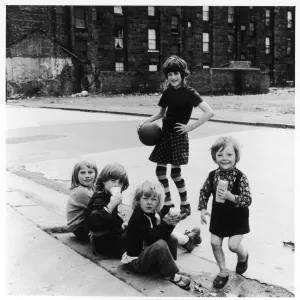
column 65, row 49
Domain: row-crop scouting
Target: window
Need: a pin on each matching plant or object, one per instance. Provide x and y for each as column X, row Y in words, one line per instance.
column 267, row 45
column 81, row 49
column 175, row 25
column 230, row 14
column 205, row 66
column 288, row 46
column 189, row 24
column 119, row 67
column 118, row 33
column 205, row 40
column 118, row 10
column 268, row 14
column 152, row 68
column 251, row 7
column 79, row 13
column 151, row 11
column 243, row 27
column 230, row 43
column 175, row 49
column 205, row 13
column 251, row 29
column 151, row 39
column 289, row 19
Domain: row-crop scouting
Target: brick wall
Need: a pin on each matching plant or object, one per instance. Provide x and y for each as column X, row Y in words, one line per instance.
column 214, row 81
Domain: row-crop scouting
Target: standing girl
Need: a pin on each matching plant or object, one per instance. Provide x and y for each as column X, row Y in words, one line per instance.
column 176, row 106
column 106, row 226
column 230, row 213
column 82, row 188
column 150, row 244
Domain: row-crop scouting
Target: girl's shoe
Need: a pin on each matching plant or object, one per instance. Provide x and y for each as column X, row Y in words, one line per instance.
column 194, row 236
column 220, row 280
column 242, row 266
column 183, row 282
column 185, row 211
column 197, row 231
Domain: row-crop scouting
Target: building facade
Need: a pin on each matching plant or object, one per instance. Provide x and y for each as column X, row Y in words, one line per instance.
column 84, row 42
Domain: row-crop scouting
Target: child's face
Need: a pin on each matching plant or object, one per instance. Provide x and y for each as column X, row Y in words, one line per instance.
column 86, row 176
column 149, row 204
column 175, row 79
column 226, row 158
column 112, row 183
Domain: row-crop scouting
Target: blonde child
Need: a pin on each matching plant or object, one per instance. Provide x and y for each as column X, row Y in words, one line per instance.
column 83, row 179
column 106, row 226
column 150, row 244
column 230, row 213
column 176, row 106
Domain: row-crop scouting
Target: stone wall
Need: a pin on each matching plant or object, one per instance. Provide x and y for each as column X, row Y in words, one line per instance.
column 213, row 81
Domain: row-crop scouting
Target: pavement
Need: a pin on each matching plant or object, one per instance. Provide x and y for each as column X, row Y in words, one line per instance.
column 35, row 214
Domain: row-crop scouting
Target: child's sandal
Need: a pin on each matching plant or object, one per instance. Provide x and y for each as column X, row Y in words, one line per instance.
column 183, row 282
column 242, row 266
column 220, row 280
column 185, row 211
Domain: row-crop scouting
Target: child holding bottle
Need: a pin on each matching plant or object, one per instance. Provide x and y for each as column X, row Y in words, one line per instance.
column 230, row 212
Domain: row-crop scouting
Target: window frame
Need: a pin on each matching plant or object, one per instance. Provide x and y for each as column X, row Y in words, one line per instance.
column 118, row 10
column 152, row 41
column 205, row 13
column 267, row 45
column 268, row 17
column 174, row 26
column 289, row 20
column 83, row 18
column 119, row 68
column 230, row 15
column 205, row 42
column 230, row 48
column 119, row 38
column 252, row 31
column 150, row 10
column 289, row 46
column 156, row 65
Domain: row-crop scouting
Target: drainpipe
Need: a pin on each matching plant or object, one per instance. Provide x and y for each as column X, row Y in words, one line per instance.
column 71, row 41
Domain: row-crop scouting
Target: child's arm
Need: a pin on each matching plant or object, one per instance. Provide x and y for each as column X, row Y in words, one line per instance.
column 208, row 114
column 205, row 193
column 155, row 117
column 243, row 199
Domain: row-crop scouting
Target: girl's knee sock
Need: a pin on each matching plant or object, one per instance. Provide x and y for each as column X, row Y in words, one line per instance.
column 161, row 173
column 180, row 184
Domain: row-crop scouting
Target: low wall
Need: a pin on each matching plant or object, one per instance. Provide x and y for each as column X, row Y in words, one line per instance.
column 207, row 81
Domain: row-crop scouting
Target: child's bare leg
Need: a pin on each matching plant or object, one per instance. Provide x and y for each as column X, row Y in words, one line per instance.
column 216, row 243
column 235, row 245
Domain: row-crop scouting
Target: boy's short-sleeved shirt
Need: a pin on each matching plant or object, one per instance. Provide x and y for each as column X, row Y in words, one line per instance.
column 179, row 103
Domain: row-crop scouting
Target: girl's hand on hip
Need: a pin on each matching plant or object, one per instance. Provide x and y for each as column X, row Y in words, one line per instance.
column 183, row 128
column 204, row 213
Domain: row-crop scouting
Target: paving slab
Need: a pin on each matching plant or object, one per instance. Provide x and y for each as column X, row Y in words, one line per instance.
column 39, row 265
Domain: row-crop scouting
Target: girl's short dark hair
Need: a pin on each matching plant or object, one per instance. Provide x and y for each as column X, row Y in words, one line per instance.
column 221, row 143
column 175, row 64
column 78, row 166
column 112, row 172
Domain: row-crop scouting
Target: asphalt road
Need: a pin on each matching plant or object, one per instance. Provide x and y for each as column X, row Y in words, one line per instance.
column 43, row 145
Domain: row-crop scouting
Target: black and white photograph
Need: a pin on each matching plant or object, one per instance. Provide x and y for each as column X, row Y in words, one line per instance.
column 150, row 149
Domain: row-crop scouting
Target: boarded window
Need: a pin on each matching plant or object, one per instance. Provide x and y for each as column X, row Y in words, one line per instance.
column 175, row 49
column 79, row 14
column 230, row 43
column 288, row 46
column 175, row 25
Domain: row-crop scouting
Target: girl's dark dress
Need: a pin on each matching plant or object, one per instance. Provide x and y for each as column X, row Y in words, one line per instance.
column 173, row 147
column 229, row 218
